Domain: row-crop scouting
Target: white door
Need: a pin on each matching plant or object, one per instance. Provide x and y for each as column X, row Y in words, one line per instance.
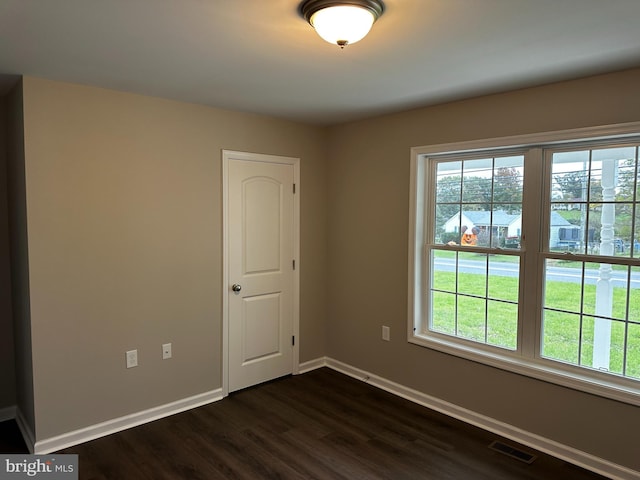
column 261, row 281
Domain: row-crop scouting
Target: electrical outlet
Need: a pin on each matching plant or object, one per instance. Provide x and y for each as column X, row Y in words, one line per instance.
column 166, row 351
column 132, row 358
column 386, row 333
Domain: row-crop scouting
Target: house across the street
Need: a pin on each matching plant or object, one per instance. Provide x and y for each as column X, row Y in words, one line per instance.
column 503, row 226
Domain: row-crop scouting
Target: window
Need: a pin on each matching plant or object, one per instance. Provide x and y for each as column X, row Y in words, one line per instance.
column 591, row 308
column 477, row 210
column 525, row 255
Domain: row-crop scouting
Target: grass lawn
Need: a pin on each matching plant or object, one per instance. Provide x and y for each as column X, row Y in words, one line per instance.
column 476, row 256
column 568, row 323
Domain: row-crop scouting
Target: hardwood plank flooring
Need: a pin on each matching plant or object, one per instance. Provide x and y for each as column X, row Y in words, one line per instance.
column 320, row 425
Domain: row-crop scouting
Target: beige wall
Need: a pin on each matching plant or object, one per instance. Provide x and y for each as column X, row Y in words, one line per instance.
column 124, row 215
column 368, row 187
column 7, row 364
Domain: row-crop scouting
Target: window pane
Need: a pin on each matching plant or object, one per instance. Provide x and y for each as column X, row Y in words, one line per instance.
column 502, row 324
column 632, row 366
column 447, row 227
column 507, row 180
column 443, row 312
column 565, row 231
column 627, row 181
column 569, row 179
column 476, row 184
column 605, row 286
column 586, row 345
column 471, row 318
column 507, row 227
column 563, row 285
column 610, row 229
column 472, row 274
column 614, row 170
column 448, row 198
column 603, row 344
column 561, row 336
column 614, row 361
column 504, row 278
column 448, row 182
column 444, row 268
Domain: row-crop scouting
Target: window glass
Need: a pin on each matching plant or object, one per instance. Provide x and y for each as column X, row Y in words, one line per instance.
column 590, row 315
column 588, row 304
column 479, row 202
column 474, row 294
column 593, row 201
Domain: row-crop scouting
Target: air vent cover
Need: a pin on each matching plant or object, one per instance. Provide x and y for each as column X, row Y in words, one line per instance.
column 512, row 452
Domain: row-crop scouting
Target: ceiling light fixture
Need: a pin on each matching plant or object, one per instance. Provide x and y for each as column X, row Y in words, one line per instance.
column 342, row 22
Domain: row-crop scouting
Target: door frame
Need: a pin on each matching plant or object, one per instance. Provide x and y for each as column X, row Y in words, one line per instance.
column 227, row 157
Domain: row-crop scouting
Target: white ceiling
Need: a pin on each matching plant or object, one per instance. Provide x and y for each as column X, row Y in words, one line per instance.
column 260, row 56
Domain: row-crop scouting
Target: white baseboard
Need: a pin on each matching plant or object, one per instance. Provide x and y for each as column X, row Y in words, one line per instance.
column 92, row 432
column 551, row 447
column 7, row 413
column 312, row 365
column 26, row 431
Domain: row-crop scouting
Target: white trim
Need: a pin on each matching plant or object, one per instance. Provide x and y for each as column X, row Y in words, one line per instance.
column 92, row 432
column 227, row 155
column 537, row 442
column 225, row 275
column 546, row 138
column 7, row 413
column 27, row 433
column 312, row 365
column 296, row 273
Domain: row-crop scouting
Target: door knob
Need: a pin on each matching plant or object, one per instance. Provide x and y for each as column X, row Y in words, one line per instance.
column 236, row 287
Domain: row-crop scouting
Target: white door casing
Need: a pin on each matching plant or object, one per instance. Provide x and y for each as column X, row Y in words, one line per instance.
column 261, row 258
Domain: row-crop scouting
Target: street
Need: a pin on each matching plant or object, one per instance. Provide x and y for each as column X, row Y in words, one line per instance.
column 560, row 274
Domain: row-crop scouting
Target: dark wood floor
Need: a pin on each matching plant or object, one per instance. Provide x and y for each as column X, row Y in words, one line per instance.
column 320, row 425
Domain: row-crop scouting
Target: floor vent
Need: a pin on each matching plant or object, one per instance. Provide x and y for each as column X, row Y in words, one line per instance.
column 512, row 452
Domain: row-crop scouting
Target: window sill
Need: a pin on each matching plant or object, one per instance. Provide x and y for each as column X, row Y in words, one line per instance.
column 626, row 391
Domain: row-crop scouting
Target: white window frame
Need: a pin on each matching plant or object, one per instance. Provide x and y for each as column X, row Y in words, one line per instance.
column 526, row 360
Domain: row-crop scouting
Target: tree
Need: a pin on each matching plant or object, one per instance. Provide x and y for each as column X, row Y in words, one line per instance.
column 476, row 193
column 627, row 184
column 628, row 192
column 573, row 185
column 507, row 189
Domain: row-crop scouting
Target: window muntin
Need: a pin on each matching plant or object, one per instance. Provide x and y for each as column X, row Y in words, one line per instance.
column 531, row 355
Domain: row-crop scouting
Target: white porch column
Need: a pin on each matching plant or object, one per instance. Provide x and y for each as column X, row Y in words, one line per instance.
column 604, row 287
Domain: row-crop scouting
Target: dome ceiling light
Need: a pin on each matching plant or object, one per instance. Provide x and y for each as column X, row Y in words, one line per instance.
column 342, row 22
